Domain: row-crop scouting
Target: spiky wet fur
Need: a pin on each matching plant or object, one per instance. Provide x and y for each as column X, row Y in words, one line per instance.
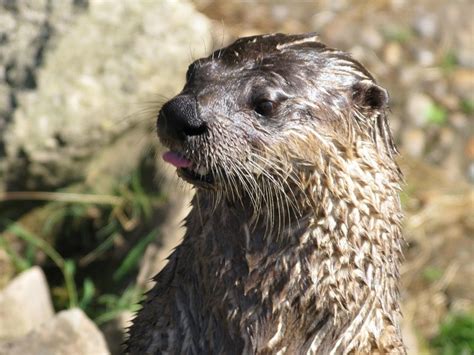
column 297, row 246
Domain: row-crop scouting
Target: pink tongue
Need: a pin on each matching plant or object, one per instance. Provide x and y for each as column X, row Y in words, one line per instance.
column 176, row 159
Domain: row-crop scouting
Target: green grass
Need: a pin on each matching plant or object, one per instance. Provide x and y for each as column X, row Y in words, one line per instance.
column 437, row 114
column 67, row 267
column 134, row 256
column 91, row 250
column 398, row 34
column 467, row 106
column 113, row 305
column 449, row 62
column 432, row 273
column 456, row 336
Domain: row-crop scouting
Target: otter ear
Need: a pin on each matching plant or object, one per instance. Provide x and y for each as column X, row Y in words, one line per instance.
column 366, row 93
column 372, row 98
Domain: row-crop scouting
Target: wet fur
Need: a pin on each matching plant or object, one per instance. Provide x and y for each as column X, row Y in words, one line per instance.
column 296, row 247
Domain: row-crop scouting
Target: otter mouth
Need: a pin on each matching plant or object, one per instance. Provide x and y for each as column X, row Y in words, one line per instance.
column 188, row 171
column 195, row 178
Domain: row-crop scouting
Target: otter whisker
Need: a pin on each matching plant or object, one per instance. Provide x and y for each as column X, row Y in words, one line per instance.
column 250, row 186
column 280, row 180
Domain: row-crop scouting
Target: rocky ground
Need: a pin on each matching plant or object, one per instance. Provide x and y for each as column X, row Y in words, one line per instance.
column 80, row 83
column 29, row 322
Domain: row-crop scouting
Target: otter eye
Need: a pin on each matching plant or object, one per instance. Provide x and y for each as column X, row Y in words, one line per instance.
column 265, row 107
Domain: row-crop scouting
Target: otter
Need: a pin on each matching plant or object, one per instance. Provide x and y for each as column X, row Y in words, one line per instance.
column 293, row 244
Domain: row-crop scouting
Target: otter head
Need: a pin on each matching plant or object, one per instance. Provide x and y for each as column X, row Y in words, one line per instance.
column 255, row 116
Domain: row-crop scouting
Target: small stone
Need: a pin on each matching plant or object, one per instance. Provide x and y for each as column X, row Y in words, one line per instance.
column 418, row 105
column 393, row 54
column 292, row 26
column 446, row 137
column 359, row 53
column 280, row 13
column 465, row 57
column 70, row 332
column 24, row 304
column 463, row 81
column 465, row 46
column 321, row 19
column 459, row 120
column 409, row 76
column 425, row 57
column 397, row 4
column 426, row 25
column 372, row 38
column 338, row 5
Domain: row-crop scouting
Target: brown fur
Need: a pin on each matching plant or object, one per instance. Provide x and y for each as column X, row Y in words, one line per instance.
column 294, row 245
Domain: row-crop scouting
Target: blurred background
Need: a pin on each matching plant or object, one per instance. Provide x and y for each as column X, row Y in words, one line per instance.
column 88, row 212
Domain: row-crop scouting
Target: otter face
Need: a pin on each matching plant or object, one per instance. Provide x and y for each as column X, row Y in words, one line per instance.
column 247, row 109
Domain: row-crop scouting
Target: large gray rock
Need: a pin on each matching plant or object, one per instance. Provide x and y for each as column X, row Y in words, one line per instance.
column 24, row 304
column 27, row 30
column 70, row 332
column 116, row 59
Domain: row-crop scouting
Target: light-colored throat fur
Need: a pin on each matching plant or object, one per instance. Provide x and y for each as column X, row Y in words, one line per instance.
column 325, row 282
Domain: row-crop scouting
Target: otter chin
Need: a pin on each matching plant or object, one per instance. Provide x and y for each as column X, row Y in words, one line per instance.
column 293, row 243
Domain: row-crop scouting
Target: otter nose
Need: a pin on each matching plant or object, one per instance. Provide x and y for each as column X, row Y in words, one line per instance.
column 179, row 119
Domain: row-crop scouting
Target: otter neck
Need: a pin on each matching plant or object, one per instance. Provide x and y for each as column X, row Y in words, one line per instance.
column 344, row 250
